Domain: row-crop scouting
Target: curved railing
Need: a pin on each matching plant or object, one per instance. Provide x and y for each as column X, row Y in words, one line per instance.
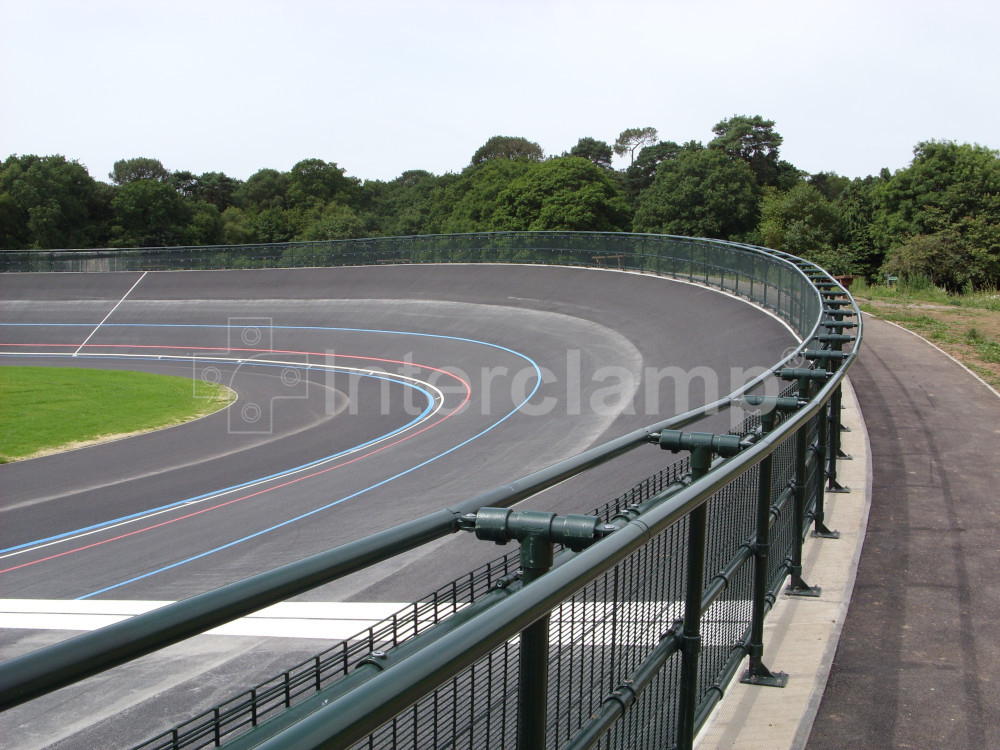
column 763, row 276
column 654, row 600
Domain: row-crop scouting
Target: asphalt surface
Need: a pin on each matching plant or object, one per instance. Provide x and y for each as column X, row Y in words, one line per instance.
column 509, row 368
column 502, row 331
column 916, row 665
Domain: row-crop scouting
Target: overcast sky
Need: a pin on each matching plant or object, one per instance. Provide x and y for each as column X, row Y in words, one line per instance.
column 383, row 86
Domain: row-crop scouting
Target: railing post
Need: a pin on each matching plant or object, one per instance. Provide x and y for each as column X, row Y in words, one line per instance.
column 822, row 450
column 798, row 586
column 833, row 342
column 837, row 427
column 836, row 327
column 757, row 673
column 701, row 446
column 533, row 652
column 833, row 444
column 691, row 629
column 537, row 531
column 825, row 453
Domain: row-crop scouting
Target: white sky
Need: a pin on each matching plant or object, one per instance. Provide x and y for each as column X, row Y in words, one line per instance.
column 383, row 86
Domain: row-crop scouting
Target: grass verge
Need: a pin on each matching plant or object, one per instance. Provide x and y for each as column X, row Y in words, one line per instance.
column 967, row 326
column 49, row 409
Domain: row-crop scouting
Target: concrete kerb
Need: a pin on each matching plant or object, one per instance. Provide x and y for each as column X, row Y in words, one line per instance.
column 801, row 634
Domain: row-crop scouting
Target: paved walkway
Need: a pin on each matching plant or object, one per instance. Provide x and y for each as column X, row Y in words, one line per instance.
column 913, row 661
column 917, row 664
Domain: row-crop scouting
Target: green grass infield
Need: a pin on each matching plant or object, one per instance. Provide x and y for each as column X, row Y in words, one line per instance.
column 50, row 409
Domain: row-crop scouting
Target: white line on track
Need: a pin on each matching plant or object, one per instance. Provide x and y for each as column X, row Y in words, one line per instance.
column 330, row 620
column 110, row 313
column 574, row 622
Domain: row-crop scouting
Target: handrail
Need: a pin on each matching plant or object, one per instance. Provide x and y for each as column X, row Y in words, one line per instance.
column 354, row 715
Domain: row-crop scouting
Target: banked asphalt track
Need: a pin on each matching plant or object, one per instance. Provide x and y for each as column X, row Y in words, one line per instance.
column 367, row 396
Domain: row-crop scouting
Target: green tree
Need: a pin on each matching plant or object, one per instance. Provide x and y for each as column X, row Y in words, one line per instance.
column 507, row 147
column 800, row 221
column 640, row 174
column 830, row 184
column 949, row 197
column 631, row 140
column 940, row 258
column 149, row 213
column 335, row 222
column 205, row 225
column 944, row 183
column 264, row 189
column 594, row 150
column 466, row 202
column 752, row 140
column 803, row 222
column 272, row 224
column 788, row 175
column 46, row 202
column 401, row 206
column 856, row 207
column 236, row 228
column 314, row 182
column 216, row 188
column 13, row 226
column 956, row 259
column 125, row 171
column 702, row 193
column 184, row 182
column 568, row 193
column 965, row 256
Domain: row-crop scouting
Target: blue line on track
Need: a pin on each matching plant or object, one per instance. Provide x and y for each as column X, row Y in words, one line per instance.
column 224, row 490
column 300, row 517
column 538, row 383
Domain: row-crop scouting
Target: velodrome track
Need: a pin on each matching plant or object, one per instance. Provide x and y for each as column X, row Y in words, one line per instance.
column 366, row 396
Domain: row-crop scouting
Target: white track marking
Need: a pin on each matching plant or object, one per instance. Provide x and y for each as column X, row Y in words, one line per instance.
column 110, row 313
column 573, row 622
column 329, row 620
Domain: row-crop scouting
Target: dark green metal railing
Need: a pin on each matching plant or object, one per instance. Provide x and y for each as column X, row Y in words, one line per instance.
column 654, row 603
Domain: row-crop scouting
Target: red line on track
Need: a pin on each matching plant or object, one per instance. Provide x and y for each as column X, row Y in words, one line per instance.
column 465, row 400
column 257, row 351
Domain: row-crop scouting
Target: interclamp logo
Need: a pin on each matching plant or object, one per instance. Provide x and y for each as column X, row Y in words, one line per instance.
column 250, row 364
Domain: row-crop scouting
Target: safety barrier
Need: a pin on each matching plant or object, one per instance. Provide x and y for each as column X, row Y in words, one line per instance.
column 620, row 628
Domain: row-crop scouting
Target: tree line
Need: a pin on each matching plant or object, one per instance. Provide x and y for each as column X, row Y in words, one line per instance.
column 936, row 219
